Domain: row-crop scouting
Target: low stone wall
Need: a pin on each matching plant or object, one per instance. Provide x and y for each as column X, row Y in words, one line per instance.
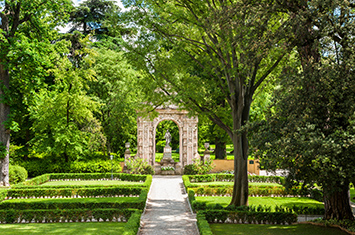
column 228, row 165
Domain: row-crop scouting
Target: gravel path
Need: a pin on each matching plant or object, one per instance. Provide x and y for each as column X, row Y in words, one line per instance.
column 167, row 210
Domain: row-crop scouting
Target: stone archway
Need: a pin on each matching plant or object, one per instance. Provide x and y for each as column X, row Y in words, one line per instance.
column 187, row 130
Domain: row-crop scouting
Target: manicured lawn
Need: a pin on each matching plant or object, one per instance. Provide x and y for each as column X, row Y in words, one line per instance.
column 65, row 200
column 63, row 228
column 221, row 183
column 92, row 182
column 265, row 201
column 266, row 229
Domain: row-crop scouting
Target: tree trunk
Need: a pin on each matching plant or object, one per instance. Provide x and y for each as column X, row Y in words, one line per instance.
column 337, row 204
column 240, row 188
column 4, row 132
column 220, row 150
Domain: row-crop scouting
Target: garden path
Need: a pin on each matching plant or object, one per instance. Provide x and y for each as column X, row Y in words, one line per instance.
column 167, row 210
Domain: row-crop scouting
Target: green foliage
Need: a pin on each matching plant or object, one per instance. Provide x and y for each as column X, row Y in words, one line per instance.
column 38, row 167
column 136, row 165
column 3, row 194
column 3, row 151
column 202, row 224
column 55, row 215
column 17, row 174
column 133, row 224
column 63, row 116
column 220, row 216
column 160, row 135
column 74, row 192
column 84, row 203
column 346, row 224
column 199, row 167
column 115, row 87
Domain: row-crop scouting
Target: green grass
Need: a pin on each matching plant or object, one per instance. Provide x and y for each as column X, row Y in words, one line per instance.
column 266, row 229
column 159, row 156
column 63, row 228
column 265, row 201
column 221, row 183
column 61, row 200
column 92, row 182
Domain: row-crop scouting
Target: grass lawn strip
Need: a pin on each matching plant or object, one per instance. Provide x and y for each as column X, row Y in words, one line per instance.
column 63, row 228
column 267, row 229
column 265, row 201
column 65, row 200
column 224, row 183
column 92, row 183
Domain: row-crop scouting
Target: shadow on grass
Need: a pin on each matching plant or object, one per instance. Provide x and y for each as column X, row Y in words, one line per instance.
column 63, row 228
column 265, row 229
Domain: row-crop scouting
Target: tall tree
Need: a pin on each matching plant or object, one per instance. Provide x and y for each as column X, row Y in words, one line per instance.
column 23, row 26
column 237, row 45
column 312, row 129
column 63, row 113
column 114, row 87
column 90, row 15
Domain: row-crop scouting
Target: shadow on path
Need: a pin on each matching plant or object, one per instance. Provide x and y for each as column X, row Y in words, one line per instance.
column 167, row 210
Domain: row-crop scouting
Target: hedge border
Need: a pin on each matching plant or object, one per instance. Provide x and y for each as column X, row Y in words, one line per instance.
column 202, row 224
column 43, row 205
column 58, row 215
column 249, row 217
column 133, row 224
column 73, row 192
column 85, row 176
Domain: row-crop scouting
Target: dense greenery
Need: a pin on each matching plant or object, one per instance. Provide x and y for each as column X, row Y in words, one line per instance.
column 311, row 129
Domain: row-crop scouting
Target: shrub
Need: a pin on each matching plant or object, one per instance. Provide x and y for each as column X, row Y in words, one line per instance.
column 203, row 225
column 38, row 216
column 190, row 170
column 198, row 167
column 36, row 167
column 139, row 166
column 17, row 174
column 133, row 224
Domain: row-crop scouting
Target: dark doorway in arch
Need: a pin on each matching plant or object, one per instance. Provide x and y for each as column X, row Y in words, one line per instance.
column 160, row 142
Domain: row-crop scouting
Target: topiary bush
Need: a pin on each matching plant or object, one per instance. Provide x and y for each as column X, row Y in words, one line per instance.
column 17, row 174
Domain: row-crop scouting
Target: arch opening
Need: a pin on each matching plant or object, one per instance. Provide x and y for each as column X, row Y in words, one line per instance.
column 160, row 141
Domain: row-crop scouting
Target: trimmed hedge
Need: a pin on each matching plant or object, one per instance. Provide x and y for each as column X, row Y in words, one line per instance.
column 3, row 194
column 36, row 167
column 57, row 215
column 147, row 179
column 254, row 190
column 72, row 192
column 202, row 224
column 133, row 224
column 259, row 190
column 230, row 178
column 223, row 216
column 43, row 205
column 303, row 210
column 17, row 174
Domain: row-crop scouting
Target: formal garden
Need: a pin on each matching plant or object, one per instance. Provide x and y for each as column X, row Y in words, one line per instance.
column 102, row 99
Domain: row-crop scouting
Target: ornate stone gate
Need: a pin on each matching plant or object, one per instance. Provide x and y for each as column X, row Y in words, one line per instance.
column 187, row 130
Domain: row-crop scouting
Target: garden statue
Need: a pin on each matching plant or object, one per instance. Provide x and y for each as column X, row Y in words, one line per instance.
column 167, row 138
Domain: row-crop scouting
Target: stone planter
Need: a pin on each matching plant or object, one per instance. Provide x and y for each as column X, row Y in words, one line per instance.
column 171, row 172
